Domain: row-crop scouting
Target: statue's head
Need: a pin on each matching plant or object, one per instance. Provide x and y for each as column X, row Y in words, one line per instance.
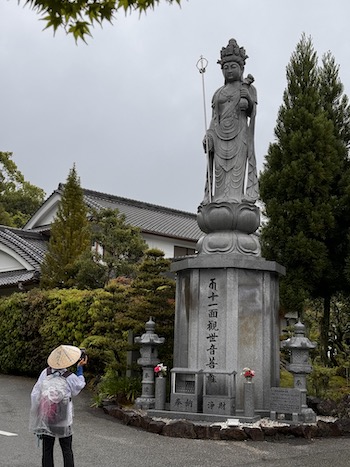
column 233, row 53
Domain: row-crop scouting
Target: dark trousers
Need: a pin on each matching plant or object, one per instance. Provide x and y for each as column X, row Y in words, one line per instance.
column 66, row 446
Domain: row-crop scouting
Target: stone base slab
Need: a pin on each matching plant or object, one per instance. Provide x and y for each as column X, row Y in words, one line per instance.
column 202, row 429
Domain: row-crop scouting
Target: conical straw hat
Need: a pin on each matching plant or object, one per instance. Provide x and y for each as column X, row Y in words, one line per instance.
column 64, row 356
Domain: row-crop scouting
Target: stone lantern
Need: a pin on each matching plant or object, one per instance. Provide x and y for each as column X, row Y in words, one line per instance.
column 300, row 367
column 149, row 359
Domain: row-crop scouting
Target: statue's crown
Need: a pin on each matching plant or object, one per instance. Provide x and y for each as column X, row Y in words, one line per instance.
column 233, row 53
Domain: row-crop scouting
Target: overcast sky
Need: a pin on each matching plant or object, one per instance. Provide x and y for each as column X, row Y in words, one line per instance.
column 127, row 108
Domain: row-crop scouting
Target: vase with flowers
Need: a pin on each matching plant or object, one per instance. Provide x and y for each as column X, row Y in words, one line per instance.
column 160, row 394
column 160, row 370
column 248, row 374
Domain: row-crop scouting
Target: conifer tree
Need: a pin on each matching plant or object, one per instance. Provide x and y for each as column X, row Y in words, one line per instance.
column 119, row 249
column 122, row 243
column 152, row 294
column 334, row 101
column 336, row 105
column 70, row 237
column 303, row 185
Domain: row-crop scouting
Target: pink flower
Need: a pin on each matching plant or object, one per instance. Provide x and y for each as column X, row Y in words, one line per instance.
column 160, row 369
column 248, row 373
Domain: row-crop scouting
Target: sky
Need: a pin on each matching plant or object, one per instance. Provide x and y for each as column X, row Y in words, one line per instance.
column 127, row 108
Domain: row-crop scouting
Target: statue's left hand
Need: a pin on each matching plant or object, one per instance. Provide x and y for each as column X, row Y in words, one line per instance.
column 245, row 94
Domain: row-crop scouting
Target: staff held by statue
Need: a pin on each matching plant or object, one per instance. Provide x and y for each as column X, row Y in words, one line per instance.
column 201, row 66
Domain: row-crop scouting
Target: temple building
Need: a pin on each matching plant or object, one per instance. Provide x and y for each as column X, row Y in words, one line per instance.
column 22, row 251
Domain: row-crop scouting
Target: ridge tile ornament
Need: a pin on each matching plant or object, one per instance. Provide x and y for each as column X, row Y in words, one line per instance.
column 228, row 214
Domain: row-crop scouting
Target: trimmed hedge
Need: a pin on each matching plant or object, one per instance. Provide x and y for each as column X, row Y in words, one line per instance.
column 32, row 324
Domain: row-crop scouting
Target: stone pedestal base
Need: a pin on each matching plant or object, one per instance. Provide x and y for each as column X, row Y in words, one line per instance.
column 229, row 242
column 224, row 216
column 227, row 319
column 229, row 227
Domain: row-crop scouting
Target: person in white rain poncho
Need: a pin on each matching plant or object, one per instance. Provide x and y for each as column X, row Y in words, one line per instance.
column 51, row 413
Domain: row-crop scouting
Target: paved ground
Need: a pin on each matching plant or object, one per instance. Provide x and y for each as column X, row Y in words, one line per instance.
column 100, row 441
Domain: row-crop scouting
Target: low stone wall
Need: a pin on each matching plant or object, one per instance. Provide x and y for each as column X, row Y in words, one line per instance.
column 256, row 432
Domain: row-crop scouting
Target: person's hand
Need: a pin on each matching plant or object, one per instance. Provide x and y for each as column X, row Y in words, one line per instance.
column 83, row 361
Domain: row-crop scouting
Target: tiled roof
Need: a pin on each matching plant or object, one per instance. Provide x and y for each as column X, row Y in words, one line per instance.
column 150, row 218
column 11, row 278
column 31, row 246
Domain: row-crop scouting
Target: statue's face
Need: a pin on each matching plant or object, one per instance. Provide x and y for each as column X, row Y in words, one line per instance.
column 231, row 71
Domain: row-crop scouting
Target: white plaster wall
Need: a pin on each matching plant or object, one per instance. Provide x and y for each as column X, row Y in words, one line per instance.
column 166, row 244
column 45, row 214
column 11, row 261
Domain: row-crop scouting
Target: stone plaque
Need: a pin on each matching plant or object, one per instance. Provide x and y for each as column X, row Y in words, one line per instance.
column 212, row 322
column 219, row 405
column 185, row 403
column 285, row 400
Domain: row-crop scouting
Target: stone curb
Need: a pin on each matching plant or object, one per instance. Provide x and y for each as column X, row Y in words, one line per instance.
column 186, row 429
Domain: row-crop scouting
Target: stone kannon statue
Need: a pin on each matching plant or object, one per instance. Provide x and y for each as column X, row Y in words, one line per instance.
column 231, row 188
column 230, row 137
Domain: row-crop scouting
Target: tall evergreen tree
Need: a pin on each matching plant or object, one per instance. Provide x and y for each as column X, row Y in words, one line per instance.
column 334, row 101
column 70, row 237
column 302, row 185
column 336, row 105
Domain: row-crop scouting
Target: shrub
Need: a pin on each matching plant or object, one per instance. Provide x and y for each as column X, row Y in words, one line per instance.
column 120, row 389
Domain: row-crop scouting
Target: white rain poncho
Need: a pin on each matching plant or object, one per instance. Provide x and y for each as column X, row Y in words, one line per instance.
column 51, row 402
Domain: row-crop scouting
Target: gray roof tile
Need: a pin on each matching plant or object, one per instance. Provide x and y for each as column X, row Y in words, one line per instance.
column 150, row 218
column 13, row 277
column 31, row 246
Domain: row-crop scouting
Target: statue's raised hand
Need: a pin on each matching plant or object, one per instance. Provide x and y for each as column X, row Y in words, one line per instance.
column 208, row 143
